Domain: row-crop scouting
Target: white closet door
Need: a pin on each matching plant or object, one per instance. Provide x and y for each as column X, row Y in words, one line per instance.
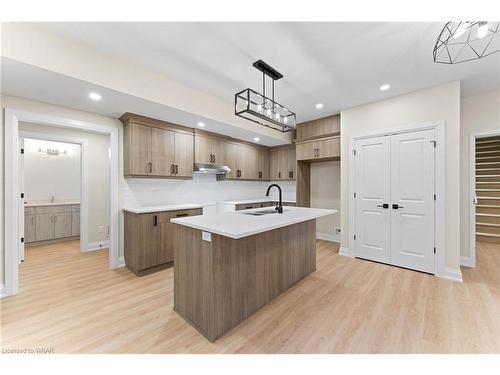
column 412, row 200
column 372, row 192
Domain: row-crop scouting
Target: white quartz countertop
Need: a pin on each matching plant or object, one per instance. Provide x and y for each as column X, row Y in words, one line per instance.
column 238, row 225
column 172, row 207
column 48, row 203
column 256, row 200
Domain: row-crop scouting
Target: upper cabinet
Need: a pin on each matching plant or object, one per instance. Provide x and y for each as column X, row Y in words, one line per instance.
column 283, row 163
column 323, row 127
column 246, row 161
column 319, row 140
column 156, row 148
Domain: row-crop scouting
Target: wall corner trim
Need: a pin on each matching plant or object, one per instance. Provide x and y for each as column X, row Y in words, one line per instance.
column 452, row 274
column 344, row 251
column 467, row 261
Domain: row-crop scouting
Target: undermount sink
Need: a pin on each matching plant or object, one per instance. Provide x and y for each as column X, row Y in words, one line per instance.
column 261, row 212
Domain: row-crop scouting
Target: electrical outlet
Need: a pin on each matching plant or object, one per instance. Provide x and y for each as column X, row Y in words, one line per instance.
column 337, row 230
column 100, row 229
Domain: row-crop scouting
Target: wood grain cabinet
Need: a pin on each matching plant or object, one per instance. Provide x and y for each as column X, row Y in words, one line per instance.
column 326, row 149
column 283, row 164
column 51, row 222
column 149, row 240
column 156, row 148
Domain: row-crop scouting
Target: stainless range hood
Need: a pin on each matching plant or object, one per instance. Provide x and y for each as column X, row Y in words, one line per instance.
column 220, row 171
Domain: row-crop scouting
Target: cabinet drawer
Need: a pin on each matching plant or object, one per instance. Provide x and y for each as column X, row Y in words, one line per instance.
column 29, row 210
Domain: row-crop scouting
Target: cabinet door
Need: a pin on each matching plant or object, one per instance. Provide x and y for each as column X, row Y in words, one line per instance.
column 204, row 150
column 274, row 165
column 44, row 227
column 75, row 223
column 140, row 150
column 184, row 154
column 29, row 228
column 328, row 148
column 247, row 160
column 147, row 252
column 162, row 152
column 306, row 151
column 263, row 165
column 62, row 224
column 231, row 158
column 291, row 163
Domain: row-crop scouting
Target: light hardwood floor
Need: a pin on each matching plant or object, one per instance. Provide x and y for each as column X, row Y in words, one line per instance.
column 71, row 301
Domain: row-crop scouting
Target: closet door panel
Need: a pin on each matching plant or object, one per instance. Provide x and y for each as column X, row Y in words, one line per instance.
column 412, row 193
column 372, row 193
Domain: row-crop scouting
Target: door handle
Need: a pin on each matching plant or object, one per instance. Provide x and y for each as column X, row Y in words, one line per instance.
column 384, row 205
column 396, row 206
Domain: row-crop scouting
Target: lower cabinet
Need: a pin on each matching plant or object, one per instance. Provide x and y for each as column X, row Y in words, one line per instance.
column 52, row 222
column 149, row 239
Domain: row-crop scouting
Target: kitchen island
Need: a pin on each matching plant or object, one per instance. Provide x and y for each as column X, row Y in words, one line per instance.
column 228, row 265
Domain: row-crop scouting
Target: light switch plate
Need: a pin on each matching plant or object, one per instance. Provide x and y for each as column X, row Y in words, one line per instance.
column 206, row 236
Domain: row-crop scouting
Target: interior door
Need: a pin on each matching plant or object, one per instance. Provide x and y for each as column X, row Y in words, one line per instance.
column 412, row 200
column 372, row 199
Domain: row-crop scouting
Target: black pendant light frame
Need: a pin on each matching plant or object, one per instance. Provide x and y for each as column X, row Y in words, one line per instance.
column 256, row 107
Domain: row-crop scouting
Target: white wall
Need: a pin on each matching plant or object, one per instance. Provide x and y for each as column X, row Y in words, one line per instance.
column 97, row 177
column 479, row 113
column 325, row 193
column 436, row 103
column 203, row 189
column 48, row 175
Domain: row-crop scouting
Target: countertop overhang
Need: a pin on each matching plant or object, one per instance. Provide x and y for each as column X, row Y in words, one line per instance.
column 238, row 225
column 172, row 207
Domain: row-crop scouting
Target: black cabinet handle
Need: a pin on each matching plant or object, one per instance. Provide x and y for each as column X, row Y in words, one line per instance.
column 396, row 206
column 248, row 207
column 156, row 221
column 176, row 169
column 214, row 158
column 171, row 169
column 183, row 214
column 384, row 205
column 260, row 174
column 279, row 174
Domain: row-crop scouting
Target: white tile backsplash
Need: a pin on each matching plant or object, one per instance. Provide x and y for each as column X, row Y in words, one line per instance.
column 202, row 189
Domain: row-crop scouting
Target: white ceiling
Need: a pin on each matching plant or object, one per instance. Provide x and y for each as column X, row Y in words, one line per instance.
column 31, row 82
column 339, row 64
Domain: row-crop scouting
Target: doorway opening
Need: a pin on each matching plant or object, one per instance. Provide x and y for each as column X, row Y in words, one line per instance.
column 484, row 218
column 51, row 182
column 62, row 130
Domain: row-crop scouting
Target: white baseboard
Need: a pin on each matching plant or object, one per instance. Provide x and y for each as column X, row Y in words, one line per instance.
column 344, row 251
column 466, row 261
column 2, row 290
column 91, row 246
column 328, row 237
column 452, row 274
column 121, row 262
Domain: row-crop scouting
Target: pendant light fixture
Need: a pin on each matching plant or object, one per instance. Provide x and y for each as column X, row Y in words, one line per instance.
column 467, row 40
column 261, row 109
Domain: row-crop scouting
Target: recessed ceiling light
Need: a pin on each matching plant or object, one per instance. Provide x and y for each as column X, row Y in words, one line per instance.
column 201, row 124
column 385, row 86
column 256, row 139
column 95, row 96
column 319, row 105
